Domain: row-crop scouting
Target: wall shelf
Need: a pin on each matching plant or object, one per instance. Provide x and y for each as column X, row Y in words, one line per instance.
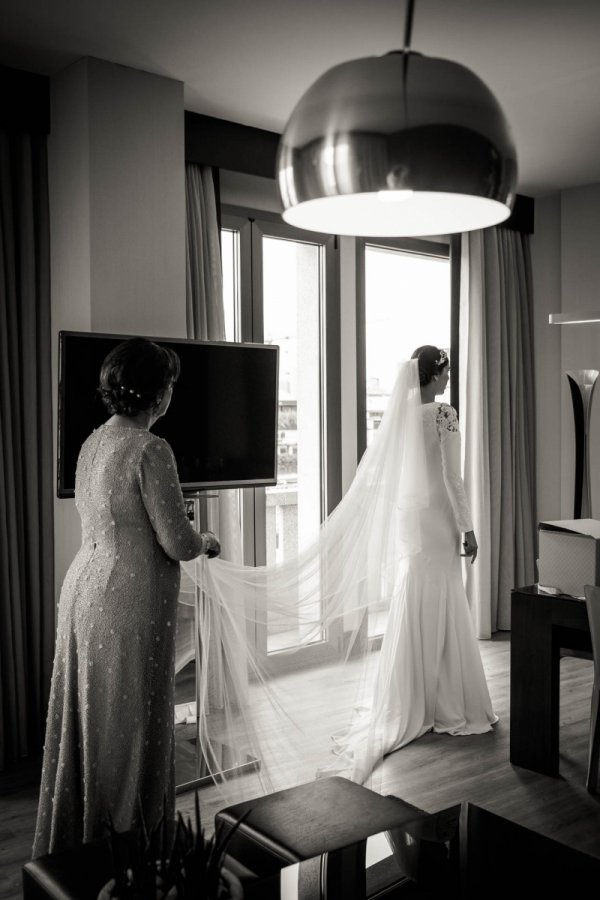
column 574, row 318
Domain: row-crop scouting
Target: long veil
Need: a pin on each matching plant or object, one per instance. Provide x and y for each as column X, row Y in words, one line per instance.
column 329, row 594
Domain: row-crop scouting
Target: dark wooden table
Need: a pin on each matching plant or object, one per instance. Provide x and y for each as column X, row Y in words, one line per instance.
column 462, row 853
column 541, row 625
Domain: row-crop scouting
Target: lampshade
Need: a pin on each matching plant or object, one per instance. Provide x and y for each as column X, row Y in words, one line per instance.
column 402, row 144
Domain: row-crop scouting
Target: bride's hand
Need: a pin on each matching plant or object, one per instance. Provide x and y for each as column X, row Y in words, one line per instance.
column 213, row 547
column 470, row 546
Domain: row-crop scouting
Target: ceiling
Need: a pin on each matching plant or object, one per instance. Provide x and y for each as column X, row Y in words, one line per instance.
column 251, row 61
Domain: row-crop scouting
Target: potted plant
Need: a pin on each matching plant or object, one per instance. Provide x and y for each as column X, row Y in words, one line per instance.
column 171, row 861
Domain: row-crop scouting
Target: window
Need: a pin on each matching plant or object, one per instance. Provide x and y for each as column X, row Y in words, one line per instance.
column 278, row 286
column 281, row 286
column 407, row 304
column 230, row 261
column 404, row 300
column 406, row 297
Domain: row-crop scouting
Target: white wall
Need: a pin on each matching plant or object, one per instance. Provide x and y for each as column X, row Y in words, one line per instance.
column 137, row 201
column 566, row 278
column 117, row 217
column 580, row 344
column 546, row 266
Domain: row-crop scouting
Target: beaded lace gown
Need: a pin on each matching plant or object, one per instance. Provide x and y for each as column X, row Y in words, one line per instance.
column 109, row 733
column 429, row 675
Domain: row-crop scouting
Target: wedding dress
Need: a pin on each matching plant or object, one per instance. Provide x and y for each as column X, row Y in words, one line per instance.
column 393, row 541
column 430, row 675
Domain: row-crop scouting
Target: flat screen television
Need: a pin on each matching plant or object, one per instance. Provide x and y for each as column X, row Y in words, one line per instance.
column 222, row 421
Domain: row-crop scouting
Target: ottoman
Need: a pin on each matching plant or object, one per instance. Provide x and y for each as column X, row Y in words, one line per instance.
column 302, row 822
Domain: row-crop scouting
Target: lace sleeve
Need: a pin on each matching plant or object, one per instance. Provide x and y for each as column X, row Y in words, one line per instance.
column 161, row 493
column 449, row 435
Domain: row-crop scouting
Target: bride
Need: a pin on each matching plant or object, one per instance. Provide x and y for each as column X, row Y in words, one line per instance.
column 393, row 540
column 430, row 676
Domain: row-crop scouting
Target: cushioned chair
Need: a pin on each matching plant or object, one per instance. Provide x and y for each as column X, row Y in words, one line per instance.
column 592, row 601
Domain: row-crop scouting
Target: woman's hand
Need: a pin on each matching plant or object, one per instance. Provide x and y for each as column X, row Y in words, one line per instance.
column 213, row 547
column 470, row 546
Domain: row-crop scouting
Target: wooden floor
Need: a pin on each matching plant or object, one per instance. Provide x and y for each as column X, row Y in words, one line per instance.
column 432, row 773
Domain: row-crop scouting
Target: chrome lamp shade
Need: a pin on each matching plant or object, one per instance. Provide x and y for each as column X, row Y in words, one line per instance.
column 401, row 144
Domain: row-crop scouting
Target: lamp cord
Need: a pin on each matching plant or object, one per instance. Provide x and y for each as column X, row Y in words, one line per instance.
column 408, row 23
column 406, row 54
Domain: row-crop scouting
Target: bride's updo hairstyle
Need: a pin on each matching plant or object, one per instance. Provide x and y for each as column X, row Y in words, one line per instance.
column 432, row 361
column 135, row 375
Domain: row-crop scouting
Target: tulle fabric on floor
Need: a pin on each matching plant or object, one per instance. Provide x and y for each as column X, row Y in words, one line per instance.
column 372, row 552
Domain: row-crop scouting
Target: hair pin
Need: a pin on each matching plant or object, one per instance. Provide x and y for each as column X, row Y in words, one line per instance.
column 131, row 391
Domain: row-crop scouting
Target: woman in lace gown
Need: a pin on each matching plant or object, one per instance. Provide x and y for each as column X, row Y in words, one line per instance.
column 109, row 737
column 430, row 675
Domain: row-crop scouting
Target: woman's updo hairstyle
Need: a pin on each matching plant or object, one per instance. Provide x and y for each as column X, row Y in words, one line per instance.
column 432, row 361
column 135, row 375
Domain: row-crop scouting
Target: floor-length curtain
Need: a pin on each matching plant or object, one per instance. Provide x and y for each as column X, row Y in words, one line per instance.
column 26, row 495
column 204, row 279
column 206, row 321
column 497, row 418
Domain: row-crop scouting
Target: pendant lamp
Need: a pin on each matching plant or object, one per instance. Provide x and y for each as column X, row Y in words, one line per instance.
column 397, row 145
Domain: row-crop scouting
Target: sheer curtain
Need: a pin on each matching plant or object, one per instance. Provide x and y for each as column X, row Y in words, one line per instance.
column 26, row 470
column 206, row 321
column 497, row 418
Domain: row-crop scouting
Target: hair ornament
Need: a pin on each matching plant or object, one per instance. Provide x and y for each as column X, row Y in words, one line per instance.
column 443, row 359
column 131, row 391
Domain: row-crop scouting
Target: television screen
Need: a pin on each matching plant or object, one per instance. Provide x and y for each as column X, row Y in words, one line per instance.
column 222, row 421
